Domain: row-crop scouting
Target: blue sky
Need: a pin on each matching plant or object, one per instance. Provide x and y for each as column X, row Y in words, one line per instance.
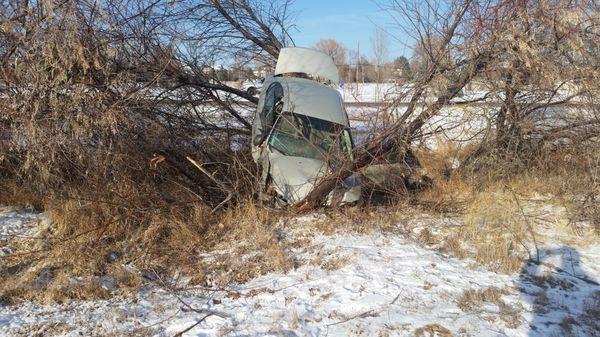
column 347, row 21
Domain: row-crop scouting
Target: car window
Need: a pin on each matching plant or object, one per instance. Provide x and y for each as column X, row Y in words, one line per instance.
column 274, row 95
column 303, row 136
column 267, row 114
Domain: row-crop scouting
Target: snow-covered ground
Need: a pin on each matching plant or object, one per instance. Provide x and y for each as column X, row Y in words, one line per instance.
column 370, row 92
column 363, row 285
column 16, row 223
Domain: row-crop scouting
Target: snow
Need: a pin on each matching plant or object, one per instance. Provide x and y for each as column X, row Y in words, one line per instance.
column 15, row 223
column 370, row 92
column 382, row 284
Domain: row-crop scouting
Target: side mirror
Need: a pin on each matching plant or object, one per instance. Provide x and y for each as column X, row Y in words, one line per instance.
column 259, row 139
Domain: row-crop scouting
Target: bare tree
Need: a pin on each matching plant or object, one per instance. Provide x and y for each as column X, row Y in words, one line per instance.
column 548, row 61
column 453, row 23
column 380, row 49
column 336, row 50
column 531, row 57
column 108, row 106
column 333, row 48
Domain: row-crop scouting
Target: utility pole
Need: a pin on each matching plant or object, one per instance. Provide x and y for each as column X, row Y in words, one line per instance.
column 357, row 60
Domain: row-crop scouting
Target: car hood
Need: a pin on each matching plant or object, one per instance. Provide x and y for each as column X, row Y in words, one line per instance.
column 294, row 177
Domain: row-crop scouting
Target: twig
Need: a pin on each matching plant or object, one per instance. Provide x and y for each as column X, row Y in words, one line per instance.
column 199, row 311
column 368, row 313
column 361, row 315
column 529, row 227
column 179, row 334
column 219, row 183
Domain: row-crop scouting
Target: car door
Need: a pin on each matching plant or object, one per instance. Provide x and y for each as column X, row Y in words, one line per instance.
column 267, row 116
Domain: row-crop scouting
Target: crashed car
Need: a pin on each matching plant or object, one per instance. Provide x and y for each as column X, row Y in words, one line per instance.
column 301, row 130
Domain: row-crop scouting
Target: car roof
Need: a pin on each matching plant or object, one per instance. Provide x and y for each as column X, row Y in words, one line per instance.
column 311, row 98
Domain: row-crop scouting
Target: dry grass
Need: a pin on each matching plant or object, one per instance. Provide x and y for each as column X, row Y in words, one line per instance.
column 499, row 202
column 495, row 225
column 245, row 241
column 432, row 330
column 472, row 300
column 449, row 193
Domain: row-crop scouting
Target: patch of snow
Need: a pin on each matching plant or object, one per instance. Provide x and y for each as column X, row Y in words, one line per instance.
column 16, row 223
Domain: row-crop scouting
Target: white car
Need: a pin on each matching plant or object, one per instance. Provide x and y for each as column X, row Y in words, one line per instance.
column 252, row 87
column 301, row 130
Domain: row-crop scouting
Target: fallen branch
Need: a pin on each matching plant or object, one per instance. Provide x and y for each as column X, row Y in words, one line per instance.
column 219, row 183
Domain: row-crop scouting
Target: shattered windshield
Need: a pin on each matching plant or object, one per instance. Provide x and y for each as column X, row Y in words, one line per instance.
column 303, row 136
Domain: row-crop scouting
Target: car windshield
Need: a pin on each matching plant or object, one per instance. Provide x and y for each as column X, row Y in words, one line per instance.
column 303, row 136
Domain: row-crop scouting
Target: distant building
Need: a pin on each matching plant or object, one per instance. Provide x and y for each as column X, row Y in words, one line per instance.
column 262, row 71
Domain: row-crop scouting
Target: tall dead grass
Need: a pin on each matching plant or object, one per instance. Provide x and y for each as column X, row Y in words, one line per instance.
column 497, row 196
column 73, row 257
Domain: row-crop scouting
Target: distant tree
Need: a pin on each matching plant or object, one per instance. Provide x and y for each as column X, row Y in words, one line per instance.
column 368, row 70
column 353, row 73
column 337, row 51
column 379, row 44
column 333, row 48
column 429, row 52
column 401, row 67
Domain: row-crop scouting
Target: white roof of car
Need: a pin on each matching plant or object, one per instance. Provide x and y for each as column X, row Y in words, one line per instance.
column 310, row 98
